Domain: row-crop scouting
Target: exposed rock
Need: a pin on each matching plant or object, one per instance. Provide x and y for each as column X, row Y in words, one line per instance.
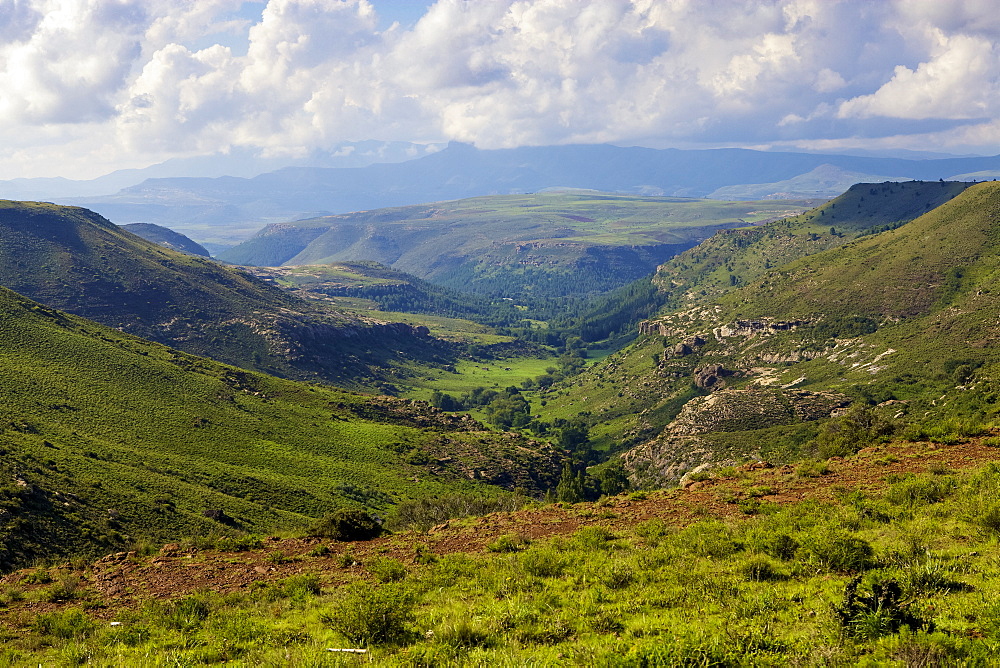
column 710, row 377
column 682, row 446
column 746, row 328
column 739, row 410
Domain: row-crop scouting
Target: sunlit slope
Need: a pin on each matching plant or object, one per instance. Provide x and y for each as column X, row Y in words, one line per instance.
column 73, row 259
column 735, row 258
column 546, row 244
column 901, row 273
column 106, row 437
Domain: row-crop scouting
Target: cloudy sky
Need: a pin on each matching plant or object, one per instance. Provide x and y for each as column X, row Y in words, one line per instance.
column 88, row 86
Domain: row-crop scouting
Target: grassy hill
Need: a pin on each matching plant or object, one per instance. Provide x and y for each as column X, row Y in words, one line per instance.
column 900, row 316
column 74, row 260
column 543, row 245
column 733, row 258
column 108, row 438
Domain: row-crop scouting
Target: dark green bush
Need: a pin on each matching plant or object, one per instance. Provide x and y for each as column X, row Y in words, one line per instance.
column 839, row 551
column 347, row 525
column 879, row 613
column 369, row 615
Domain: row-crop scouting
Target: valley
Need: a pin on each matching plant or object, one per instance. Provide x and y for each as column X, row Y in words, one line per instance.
column 785, row 374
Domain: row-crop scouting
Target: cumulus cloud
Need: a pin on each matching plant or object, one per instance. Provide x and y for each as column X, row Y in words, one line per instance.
column 141, row 80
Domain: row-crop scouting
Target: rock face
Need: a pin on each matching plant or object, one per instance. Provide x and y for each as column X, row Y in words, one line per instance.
column 739, row 410
column 711, row 376
column 683, row 446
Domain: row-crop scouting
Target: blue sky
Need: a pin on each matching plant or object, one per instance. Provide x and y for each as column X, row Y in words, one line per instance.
column 90, row 87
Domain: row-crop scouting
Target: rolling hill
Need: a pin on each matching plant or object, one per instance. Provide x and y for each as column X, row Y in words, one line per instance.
column 544, row 245
column 75, row 260
column 108, row 438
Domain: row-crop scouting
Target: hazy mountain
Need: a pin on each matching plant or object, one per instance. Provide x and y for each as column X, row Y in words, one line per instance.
column 824, row 181
column 226, row 208
column 166, row 237
column 242, row 163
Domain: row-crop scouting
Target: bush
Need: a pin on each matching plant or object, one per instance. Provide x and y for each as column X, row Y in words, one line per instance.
column 780, row 546
column 920, row 490
column 67, row 624
column 510, row 542
column 387, row 570
column 840, row 552
column 369, row 615
column 761, row 569
column 347, row 525
column 877, row 614
column 240, row 543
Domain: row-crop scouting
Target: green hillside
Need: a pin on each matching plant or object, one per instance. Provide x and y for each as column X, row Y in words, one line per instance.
column 108, row 438
column 72, row 259
column 733, row 258
column 542, row 245
column 901, row 318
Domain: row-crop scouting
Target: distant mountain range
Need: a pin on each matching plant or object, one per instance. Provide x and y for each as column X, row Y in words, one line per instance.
column 238, row 162
column 228, row 209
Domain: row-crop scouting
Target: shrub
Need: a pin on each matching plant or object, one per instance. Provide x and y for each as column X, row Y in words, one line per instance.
column 303, row 586
column 761, row 569
column 812, row 469
column 67, row 587
column 915, row 490
column 840, row 552
column 369, row 615
column 883, row 611
column 319, row 551
column 653, row 531
column 186, row 614
column 463, row 635
column 542, row 562
column 618, row 577
column 347, row 525
column 387, row 569
column 780, row 546
column 239, row 543
column 510, row 542
column 593, row 538
column 66, row 624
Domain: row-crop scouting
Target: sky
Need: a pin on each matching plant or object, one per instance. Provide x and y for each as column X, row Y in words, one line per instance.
column 89, row 86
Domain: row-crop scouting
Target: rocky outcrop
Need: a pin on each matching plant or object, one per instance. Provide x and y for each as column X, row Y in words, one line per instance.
column 746, row 328
column 740, row 410
column 685, row 443
column 711, row 376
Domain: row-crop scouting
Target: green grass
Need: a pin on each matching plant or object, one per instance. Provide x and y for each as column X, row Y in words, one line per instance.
column 771, row 589
column 118, row 439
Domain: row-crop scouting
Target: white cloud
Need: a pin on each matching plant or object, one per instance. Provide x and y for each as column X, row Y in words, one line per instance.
column 141, row 80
